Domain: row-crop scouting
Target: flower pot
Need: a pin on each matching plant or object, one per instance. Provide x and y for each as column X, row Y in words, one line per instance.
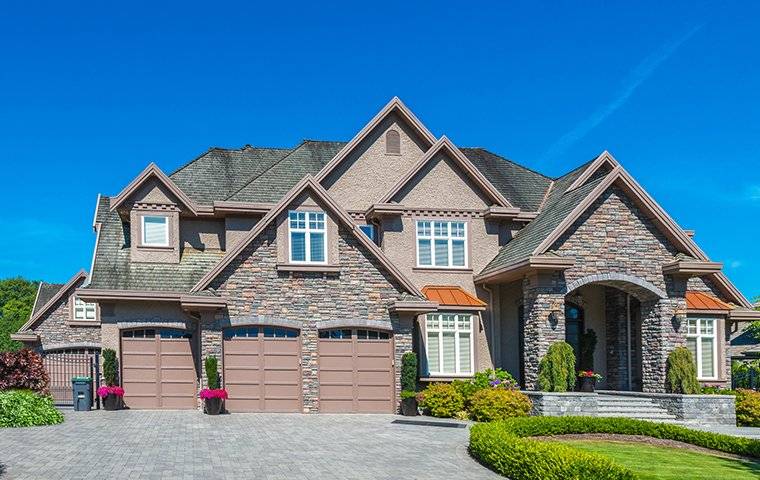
column 409, row 407
column 111, row 402
column 588, row 384
column 213, row 406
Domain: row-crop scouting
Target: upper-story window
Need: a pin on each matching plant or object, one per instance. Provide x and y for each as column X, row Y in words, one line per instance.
column 155, row 231
column 701, row 341
column 84, row 311
column 393, row 142
column 441, row 244
column 307, row 237
column 370, row 231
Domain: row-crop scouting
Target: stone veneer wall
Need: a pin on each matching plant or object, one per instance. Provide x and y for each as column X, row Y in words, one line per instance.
column 54, row 330
column 360, row 291
column 542, row 294
column 549, row 404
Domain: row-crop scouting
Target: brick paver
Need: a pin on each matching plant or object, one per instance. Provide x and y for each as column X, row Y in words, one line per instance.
column 178, row 445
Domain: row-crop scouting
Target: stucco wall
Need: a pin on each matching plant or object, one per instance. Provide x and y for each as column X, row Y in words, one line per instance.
column 202, row 234
column 361, row 290
column 368, row 172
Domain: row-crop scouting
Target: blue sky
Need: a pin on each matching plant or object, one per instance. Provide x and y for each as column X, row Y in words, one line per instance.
column 91, row 93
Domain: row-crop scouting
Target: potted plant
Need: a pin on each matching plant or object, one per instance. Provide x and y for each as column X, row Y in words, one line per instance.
column 111, row 394
column 588, row 380
column 213, row 397
column 112, row 397
column 409, row 384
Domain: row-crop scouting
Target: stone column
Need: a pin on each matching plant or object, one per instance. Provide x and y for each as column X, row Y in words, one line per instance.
column 661, row 332
column 544, row 319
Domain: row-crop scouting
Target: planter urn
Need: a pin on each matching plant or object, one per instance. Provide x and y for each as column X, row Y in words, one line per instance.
column 409, row 407
column 213, row 406
column 588, row 384
column 112, row 402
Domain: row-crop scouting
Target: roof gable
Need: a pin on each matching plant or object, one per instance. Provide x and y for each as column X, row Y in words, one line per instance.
column 45, row 301
column 153, row 172
column 444, row 146
column 605, row 160
column 395, row 105
column 307, row 184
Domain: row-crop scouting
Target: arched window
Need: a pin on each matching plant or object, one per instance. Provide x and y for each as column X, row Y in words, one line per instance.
column 393, row 142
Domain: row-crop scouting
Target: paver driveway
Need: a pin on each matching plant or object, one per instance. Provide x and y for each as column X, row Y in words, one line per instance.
column 171, row 444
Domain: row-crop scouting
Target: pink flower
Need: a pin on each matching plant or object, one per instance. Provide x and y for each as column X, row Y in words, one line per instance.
column 113, row 390
column 208, row 393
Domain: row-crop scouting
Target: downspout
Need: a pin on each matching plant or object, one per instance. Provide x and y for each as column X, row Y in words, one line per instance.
column 628, row 336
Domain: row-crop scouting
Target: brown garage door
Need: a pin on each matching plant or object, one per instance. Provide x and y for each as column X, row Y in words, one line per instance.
column 356, row 371
column 158, row 369
column 262, row 369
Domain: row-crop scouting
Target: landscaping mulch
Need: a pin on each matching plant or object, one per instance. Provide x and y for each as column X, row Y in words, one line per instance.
column 659, row 442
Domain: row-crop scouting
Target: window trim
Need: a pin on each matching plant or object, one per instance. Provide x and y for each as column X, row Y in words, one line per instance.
column 474, row 320
column 307, row 238
column 84, row 308
column 698, row 336
column 143, row 242
column 432, row 237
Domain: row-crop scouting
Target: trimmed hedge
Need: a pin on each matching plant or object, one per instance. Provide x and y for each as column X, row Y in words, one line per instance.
column 491, row 404
column 25, row 408
column 441, row 400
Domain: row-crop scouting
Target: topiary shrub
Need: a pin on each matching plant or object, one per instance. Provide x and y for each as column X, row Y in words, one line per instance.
column 747, row 408
column 681, row 372
column 110, row 367
column 23, row 370
column 409, row 372
column 211, row 365
column 556, row 370
column 441, row 400
column 491, row 404
column 25, row 408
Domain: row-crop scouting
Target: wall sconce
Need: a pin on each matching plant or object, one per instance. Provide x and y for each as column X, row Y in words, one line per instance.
column 554, row 319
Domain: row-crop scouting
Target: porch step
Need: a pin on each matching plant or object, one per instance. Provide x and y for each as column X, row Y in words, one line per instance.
column 610, row 405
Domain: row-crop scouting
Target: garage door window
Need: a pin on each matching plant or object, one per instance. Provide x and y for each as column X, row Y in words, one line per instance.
column 275, row 332
column 244, row 332
column 148, row 333
column 371, row 335
column 336, row 334
column 175, row 334
column 449, row 344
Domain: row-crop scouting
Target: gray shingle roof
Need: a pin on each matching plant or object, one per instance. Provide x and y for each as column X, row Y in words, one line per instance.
column 523, row 187
column 544, row 224
column 46, row 292
column 113, row 269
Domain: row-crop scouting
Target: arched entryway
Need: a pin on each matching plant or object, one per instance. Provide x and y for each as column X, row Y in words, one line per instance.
column 603, row 319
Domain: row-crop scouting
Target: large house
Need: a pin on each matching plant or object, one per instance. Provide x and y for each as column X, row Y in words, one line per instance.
column 310, row 271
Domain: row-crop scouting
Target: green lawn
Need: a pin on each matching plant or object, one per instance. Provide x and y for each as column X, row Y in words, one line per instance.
column 665, row 463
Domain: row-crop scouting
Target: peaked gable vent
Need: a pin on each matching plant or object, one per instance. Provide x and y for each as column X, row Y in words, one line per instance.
column 393, row 142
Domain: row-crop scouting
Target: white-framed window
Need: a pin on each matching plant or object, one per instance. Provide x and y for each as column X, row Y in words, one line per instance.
column 84, row 311
column 369, row 231
column 155, row 231
column 441, row 244
column 701, row 340
column 308, row 237
column 449, row 345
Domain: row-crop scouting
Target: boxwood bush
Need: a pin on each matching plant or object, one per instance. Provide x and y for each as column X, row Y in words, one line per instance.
column 491, row 404
column 747, row 408
column 441, row 400
column 25, row 408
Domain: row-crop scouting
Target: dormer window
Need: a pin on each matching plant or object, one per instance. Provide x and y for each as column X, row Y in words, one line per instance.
column 84, row 311
column 392, row 143
column 307, row 234
column 155, row 231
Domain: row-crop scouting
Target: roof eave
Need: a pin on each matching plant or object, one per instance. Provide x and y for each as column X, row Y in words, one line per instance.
column 518, row 269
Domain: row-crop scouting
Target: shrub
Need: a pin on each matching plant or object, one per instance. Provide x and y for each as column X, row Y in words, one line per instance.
column 491, row 404
column 409, row 371
column 748, row 408
column 466, row 389
column 23, row 370
column 25, row 408
column 588, row 345
column 746, row 374
column 407, row 394
column 556, row 370
column 212, row 372
column 490, row 378
column 525, row 459
column 110, row 367
column 441, row 400
column 681, row 376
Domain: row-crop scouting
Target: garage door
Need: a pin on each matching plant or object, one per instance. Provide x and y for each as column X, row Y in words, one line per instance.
column 356, row 371
column 262, row 369
column 158, row 369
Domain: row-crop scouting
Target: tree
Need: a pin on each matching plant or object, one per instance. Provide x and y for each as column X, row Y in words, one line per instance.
column 16, row 302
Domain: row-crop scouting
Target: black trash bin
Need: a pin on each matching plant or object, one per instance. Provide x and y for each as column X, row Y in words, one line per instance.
column 82, row 392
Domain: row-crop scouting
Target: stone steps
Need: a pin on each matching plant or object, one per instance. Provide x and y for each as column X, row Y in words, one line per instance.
column 632, row 407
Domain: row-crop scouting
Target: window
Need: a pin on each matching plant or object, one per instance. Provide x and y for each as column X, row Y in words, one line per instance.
column 167, row 333
column 84, row 311
column 155, row 231
column 336, row 334
column 441, row 244
column 701, row 342
column 369, row 231
column 241, row 332
column 393, row 142
column 371, row 335
column 277, row 332
column 307, row 237
column 449, row 345
column 147, row 333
